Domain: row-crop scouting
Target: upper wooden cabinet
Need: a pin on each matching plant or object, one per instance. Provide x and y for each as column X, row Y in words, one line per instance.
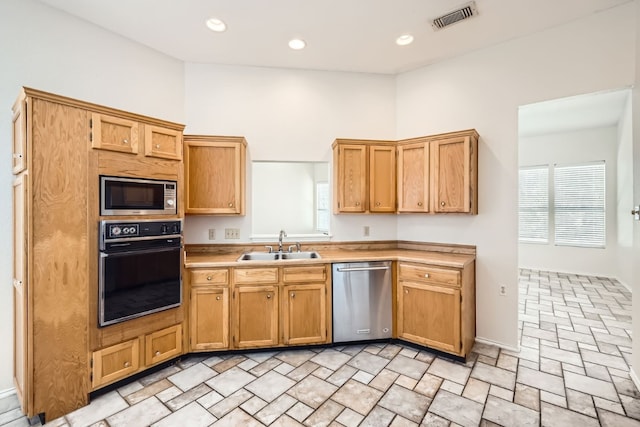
column 162, row 142
column 439, row 173
column 214, row 175
column 365, row 176
column 113, row 133
column 20, row 113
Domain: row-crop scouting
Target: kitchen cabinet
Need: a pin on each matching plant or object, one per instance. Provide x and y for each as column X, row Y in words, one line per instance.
column 121, row 360
column 439, row 173
column 413, row 177
column 305, row 305
column 61, row 146
column 436, row 306
column 214, row 175
column 209, row 309
column 365, row 176
column 455, row 173
column 255, row 316
column 113, row 133
column 162, row 142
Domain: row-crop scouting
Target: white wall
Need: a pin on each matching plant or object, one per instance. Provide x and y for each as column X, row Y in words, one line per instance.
column 52, row 51
column 483, row 90
column 583, row 146
column 624, row 197
column 289, row 115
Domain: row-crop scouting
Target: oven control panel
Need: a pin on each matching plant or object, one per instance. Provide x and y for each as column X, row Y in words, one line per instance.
column 113, row 229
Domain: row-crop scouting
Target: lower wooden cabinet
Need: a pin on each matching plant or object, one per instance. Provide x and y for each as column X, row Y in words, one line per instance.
column 255, row 316
column 436, row 306
column 209, row 318
column 118, row 361
column 305, row 307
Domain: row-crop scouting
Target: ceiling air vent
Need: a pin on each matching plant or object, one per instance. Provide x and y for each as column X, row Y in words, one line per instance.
column 464, row 12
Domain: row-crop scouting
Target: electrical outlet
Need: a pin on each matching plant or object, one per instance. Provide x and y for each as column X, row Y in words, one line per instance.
column 231, row 233
column 212, row 234
column 503, row 290
column 365, row 231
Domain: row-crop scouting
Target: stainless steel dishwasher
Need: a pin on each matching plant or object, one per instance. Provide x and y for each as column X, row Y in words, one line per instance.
column 361, row 301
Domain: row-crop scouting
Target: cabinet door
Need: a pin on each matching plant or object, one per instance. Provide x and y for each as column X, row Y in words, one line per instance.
column 163, row 345
column 21, row 355
column 113, row 133
column 162, row 142
column 209, row 318
column 116, row 362
column 214, row 177
column 382, row 179
column 351, row 182
column 20, row 136
column 305, row 319
column 413, row 177
column 256, row 316
column 429, row 315
column 451, row 174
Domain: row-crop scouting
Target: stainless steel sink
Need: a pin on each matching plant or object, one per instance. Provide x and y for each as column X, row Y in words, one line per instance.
column 274, row 256
column 300, row 255
column 259, row 256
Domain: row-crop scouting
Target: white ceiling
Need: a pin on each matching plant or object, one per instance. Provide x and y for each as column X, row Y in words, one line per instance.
column 341, row 35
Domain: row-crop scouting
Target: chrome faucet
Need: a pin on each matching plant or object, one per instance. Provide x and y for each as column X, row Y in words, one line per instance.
column 282, row 235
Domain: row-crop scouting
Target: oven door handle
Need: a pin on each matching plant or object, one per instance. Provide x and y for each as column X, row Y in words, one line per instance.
column 104, row 254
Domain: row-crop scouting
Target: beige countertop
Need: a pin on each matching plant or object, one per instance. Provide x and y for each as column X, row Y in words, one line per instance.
column 230, row 259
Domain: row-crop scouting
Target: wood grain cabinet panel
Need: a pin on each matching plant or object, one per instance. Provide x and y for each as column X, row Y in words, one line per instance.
column 255, row 316
column 162, row 142
column 304, row 314
column 382, row 179
column 208, row 277
column 413, row 177
column 352, row 178
column 454, row 165
column 115, row 362
column 163, row 345
column 209, row 318
column 214, row 175
column 113, row 133
column 19, row 155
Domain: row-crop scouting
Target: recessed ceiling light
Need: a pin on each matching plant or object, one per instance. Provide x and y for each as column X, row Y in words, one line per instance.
column 297, row 44
column 216, row 25
column 404, row 40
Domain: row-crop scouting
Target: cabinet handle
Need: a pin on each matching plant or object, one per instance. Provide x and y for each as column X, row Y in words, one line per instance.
column 441, row 203
column 157, row 353
column 127, row 364
column 419, row 203
column 218, row 298
column 209, row 278
column 377, row 203
column 17, row 156
column 157, row 145
column 293, row 294
column 125, row 141
column 268, row 296
column 635, row 211
column 426, row 275
column 230, row 205
column 357, row 203
column 406, row 291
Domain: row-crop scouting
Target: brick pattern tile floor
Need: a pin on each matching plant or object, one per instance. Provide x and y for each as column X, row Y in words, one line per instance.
column 572, row 370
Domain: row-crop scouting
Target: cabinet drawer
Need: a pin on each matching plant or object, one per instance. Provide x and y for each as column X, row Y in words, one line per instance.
column 209, row 277
column 163, row 345
column 116, row 362
column 312, row 273
column 252, row 276
column 428, row 274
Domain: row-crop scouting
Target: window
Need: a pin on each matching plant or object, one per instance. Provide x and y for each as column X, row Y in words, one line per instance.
column 533, row 201
column 579, row 205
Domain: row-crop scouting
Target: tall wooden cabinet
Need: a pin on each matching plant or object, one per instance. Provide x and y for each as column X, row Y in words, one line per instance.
column 365, row 176
column 215, row 174
column 55, row 241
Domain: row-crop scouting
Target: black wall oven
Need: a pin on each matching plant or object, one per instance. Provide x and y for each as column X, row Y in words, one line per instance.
column 140, row 268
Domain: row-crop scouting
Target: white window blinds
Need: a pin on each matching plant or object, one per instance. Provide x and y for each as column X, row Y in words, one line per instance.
column 579, row 205
column 533, row 204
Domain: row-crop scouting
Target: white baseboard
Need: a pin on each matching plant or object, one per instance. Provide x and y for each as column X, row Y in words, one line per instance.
column 497, row 344
column 634, row 378
column 626, row 286
column 6, row 393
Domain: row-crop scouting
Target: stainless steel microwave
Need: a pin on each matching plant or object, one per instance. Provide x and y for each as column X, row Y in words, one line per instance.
column 135, row 196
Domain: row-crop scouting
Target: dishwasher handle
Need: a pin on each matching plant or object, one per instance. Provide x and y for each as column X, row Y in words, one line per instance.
column 346, row 269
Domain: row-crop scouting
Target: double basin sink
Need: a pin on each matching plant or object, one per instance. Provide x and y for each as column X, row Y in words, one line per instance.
column 277, row 256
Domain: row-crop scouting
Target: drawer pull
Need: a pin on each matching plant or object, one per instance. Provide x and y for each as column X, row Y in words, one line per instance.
column 406, row 291
column 377, row 203
column 268, row 296
column 157, row 353
column 209, row 278
column 419, row 203
column 127, row 364
column 230, row 205
column 293, row 294
column 157, row 145
column 441, row 203
column 426, row 275
column 357, row 203
column 218, row 298
column 125, row 141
